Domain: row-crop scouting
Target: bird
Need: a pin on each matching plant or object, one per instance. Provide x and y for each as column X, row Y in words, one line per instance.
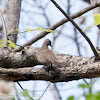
column 46, row 56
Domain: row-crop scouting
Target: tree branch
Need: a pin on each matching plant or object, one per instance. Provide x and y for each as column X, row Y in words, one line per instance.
column 29, row 57
column 64, row 74
column 73, row 67
column 61, row 22
column 78, row 28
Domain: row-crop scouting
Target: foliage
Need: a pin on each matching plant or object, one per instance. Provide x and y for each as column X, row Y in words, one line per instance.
column 83, row 86
column 96, row 21
column 46, row 30
column 86, row 87
column 14, row 31
column 28, row 30
column 95, row 96
column 26, row 94
column 87, row 28
column 10, row 44
column 71, row 98
column 36, row 29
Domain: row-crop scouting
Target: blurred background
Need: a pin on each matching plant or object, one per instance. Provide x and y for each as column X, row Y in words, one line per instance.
column 66, row 40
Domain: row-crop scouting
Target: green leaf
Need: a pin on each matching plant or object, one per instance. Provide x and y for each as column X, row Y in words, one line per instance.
column 13, row 99
column 1, row 41
column 38, row 29
column 28, row 30
column 96, row 19
column 86, row 28
column 90, row 97
column 96, row 15
column 11, row 44
column 98, row 95
column 48, row 30
column 83, row 86
column 14, row 31
column 1, row 45
column 9, row 47
column 70, row 98
column 25, row 93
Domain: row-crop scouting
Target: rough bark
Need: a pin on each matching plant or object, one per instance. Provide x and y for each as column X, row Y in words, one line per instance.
column 63, row 75
column 73, row 67
column 29, row 57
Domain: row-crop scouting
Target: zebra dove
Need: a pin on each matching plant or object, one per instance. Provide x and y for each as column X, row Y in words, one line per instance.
column 46, row 56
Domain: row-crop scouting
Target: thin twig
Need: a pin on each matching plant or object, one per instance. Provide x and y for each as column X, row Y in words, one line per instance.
column 90, row 86
column 78, row 28
column 68, row 8
column 53, row 27
column 24, row 89
column 44, row 91
column 4, row 29
column 85, row 81
column 20, row 86
column 58, row 92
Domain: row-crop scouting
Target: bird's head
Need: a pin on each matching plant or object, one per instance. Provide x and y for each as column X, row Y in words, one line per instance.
column 47, row 42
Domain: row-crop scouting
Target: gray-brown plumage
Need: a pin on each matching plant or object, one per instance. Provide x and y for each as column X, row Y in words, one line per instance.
column 46, row 56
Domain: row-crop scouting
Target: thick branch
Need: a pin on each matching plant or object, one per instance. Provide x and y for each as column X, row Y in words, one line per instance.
column 64, row 74
column 29, row 57
column 72, row 67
